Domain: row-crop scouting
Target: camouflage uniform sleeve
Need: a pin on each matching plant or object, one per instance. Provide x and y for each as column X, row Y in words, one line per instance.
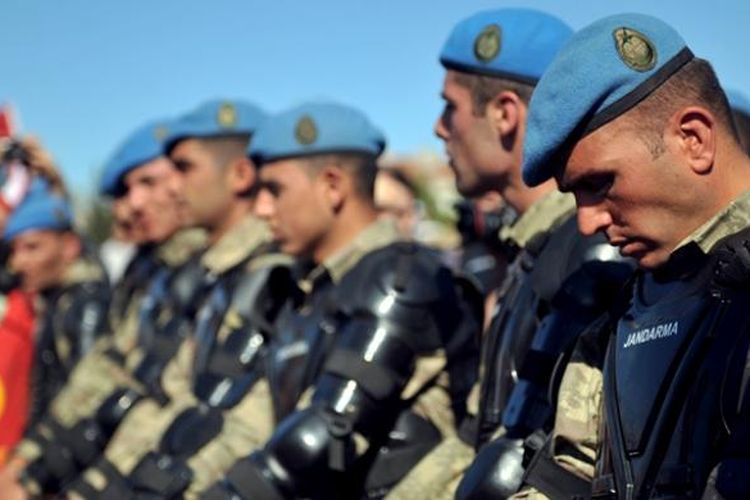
column 575, row 435
column 144, row 425
column 236, row 440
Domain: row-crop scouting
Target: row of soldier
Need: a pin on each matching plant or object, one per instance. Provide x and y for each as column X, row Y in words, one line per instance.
column 274, row 338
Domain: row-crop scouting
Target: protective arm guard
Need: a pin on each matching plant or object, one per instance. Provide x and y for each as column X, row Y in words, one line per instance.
column 69, row 451
column 389, row 315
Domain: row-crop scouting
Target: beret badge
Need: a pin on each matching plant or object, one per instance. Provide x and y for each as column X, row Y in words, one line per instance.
column 226, row 117
column 161, row 133
column 487, row 43
column 635, row 49
column 306, row 132
column 60, row 216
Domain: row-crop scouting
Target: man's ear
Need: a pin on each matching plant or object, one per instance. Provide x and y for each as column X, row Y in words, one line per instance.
column 504, row 113
column 336, row 185
column 242, row 175
column 71, row 246
column 695, row 130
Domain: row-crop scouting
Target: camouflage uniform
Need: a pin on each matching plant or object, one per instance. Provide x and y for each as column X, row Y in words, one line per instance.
column 438, row 474
column 101, row 371
column 144, row 425
column 577, row 434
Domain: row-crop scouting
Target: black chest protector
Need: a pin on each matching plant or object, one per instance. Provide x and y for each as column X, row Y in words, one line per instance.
column 226, row 368
column 166, row 317
column 302, row 337
column 74, row 316
column 140, row 270
column 671, row 381
column 557, row 271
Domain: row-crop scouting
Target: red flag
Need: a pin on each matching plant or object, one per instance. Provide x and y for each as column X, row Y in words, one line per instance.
column 6, row 121
column 16, row 338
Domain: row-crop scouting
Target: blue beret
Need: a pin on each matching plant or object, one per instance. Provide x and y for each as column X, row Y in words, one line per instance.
column 38, row 212
column 517, row 44
column 142, row 146
column 602, row 72
column 738, row 101
column 214, row 119
column 315, row 128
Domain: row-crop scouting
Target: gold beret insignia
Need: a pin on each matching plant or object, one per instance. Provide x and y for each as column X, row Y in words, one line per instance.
column 306, row 132
column 160, row 133
column 635, row 49
column 227, row 115
column 487, row 43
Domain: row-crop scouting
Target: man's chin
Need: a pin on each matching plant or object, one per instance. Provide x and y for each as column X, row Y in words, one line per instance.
column 649, row 260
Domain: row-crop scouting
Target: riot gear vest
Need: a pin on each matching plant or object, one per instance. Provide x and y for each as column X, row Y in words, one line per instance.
column 166, row 318
column 557, row 285
column 74, row 315
column 672, row 377
column 139, row 271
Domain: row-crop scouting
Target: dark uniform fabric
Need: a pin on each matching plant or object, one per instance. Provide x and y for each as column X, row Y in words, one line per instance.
column 70, row 318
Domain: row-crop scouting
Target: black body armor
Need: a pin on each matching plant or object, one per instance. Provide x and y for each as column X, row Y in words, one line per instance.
column 558, row 284
column 74, row 316
column 138, row 273
column 674, row 378
column 225, row 370
column 397, row 304
column 166, row 313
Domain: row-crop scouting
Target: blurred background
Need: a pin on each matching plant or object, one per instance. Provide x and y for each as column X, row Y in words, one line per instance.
column 80, row 74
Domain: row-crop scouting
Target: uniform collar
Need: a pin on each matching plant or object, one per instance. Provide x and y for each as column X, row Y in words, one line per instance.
column 236, row 245
column 540, row 217
column 732, row 219
column 181, row 246
column 83, row 269
column 380, row 233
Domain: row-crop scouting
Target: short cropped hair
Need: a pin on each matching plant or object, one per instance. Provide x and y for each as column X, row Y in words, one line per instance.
column 693, row 84
column 362, row 167
column 484, row 88
column 226, row 148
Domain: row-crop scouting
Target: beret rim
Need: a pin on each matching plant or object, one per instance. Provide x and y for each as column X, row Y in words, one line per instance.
column 586, row 126
column 640, row 92
column 260, row 158
column 472, row 69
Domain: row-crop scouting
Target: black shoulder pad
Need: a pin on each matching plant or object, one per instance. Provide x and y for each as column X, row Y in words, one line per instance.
column 262, row 291
column 577, row 268
column 732, row 254
column 408, row 286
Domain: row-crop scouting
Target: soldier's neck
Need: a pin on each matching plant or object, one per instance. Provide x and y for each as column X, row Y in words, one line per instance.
column 236, row 213
column 349, row 222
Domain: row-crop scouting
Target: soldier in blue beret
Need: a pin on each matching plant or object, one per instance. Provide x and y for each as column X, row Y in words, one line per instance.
column 209, row 362
column 639, row 130
column 557, row 281
column 355, row 362
column 144, row 181
column 49, row 258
